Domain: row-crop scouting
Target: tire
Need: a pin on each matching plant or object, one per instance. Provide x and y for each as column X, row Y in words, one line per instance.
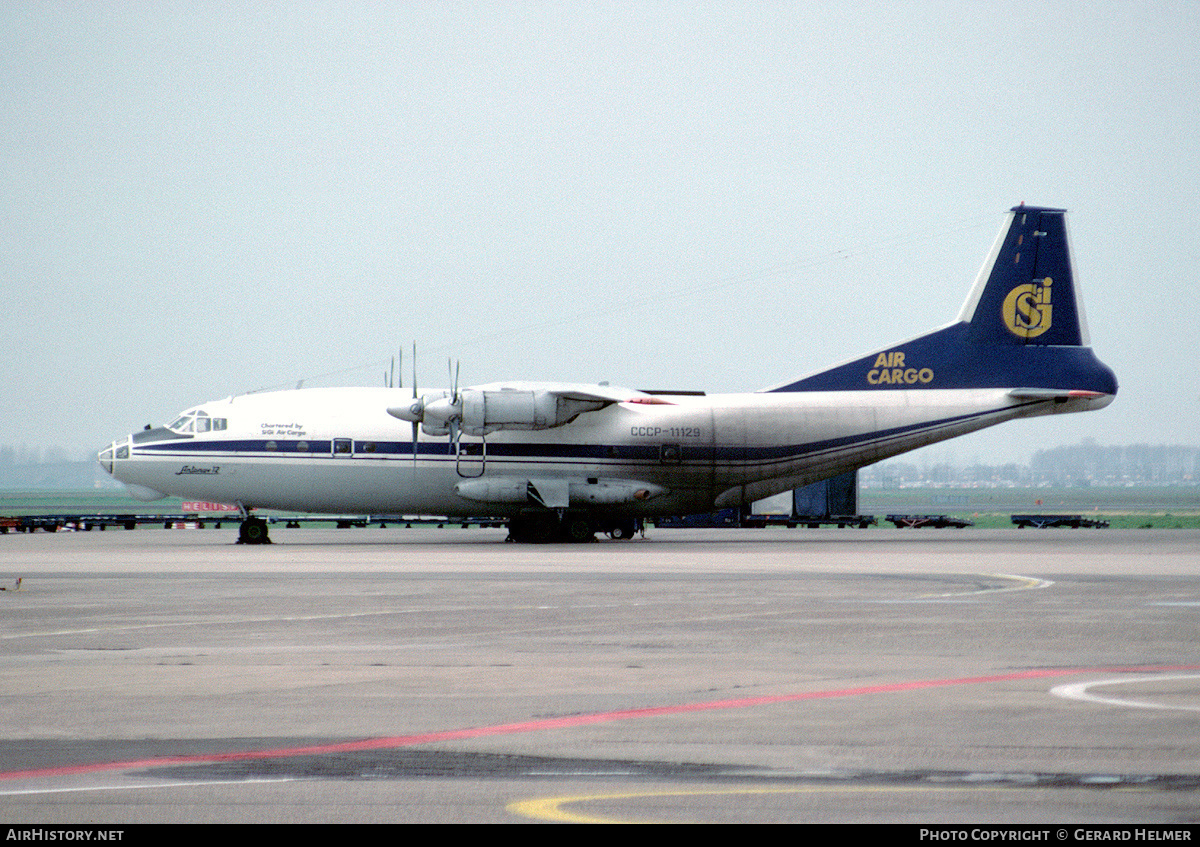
column 578, row 530
column 622, row 531
column 253, row 531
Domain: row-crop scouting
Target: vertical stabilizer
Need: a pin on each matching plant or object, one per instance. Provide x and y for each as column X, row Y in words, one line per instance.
column 1021, row 327
column 1025, row 293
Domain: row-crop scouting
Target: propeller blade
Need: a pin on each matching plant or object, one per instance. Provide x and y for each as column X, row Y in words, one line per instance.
column 453, row 371
column 414, row 438
column 455, row 403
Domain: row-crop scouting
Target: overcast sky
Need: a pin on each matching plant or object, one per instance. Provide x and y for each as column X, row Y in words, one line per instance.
column 204, row 199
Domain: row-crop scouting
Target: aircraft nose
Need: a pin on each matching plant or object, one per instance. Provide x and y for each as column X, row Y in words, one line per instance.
column 113, row 453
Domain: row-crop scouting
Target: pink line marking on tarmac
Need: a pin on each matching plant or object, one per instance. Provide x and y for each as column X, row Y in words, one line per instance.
column 566, row 722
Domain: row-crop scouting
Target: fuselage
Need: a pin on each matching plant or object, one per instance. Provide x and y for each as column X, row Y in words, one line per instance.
column 337, row 450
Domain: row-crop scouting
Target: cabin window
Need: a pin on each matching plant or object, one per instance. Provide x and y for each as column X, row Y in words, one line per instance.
column 342, row 446
column 271, row 446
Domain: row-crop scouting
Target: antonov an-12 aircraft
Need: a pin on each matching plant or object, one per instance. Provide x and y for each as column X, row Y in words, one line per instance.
column 564, row 461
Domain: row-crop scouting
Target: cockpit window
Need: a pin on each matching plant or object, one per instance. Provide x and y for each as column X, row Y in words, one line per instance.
column 197, row 420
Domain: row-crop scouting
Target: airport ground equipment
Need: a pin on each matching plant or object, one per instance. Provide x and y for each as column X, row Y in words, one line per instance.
column 53, row 523
column 1055, row 521
column 936, row 521
column 828, row 502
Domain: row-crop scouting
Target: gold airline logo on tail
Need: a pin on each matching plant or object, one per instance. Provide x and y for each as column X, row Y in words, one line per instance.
column 1026, row 309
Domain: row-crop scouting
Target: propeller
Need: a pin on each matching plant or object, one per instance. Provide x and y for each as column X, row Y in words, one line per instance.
column 413, row 412
column 439, row 414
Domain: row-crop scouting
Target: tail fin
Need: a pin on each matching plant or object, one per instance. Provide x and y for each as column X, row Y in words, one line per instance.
column 1025, row 293
column 1022, row 327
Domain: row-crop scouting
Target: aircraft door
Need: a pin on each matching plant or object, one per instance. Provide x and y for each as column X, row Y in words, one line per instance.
column 471, row 457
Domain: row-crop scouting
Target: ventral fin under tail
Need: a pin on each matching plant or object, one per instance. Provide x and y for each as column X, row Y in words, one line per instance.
column 1022, row 327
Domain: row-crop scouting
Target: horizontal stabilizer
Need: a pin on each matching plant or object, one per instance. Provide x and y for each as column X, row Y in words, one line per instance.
column 1051, row 394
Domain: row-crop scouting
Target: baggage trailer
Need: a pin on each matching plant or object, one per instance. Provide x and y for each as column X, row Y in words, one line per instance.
column 78, row 522
column 1052, row 521
column 936, row 521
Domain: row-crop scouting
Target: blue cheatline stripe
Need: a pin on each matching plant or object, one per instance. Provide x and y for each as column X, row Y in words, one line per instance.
column 558, row 453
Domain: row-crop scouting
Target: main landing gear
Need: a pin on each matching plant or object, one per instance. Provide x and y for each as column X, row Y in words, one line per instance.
column 569, row 527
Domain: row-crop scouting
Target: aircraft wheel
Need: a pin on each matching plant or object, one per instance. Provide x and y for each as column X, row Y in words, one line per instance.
column 579, row 530
column 623, row 531
column 253, row 531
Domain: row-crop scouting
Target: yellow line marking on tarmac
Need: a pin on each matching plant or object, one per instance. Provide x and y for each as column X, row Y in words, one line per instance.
column 550, row 808
column 1024, row 583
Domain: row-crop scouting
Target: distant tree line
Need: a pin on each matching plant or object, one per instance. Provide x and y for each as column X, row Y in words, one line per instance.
column 1160, row 464
column 1087, row 463
column 32, row 468
column 23, row 454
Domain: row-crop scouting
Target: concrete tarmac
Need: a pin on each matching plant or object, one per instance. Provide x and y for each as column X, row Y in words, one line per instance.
column 416, row 675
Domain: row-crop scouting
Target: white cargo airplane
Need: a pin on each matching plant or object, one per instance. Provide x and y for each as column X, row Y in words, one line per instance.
column 563, row 461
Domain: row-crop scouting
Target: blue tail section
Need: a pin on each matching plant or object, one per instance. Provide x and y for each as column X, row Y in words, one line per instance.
column 1023, row 326
column 1029, row 295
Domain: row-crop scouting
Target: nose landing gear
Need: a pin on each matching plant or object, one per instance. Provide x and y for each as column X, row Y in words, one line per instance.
column 253, row 530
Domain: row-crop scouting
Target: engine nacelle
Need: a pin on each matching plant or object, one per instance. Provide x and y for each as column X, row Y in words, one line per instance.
column 481, row 411
column 484, row 412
